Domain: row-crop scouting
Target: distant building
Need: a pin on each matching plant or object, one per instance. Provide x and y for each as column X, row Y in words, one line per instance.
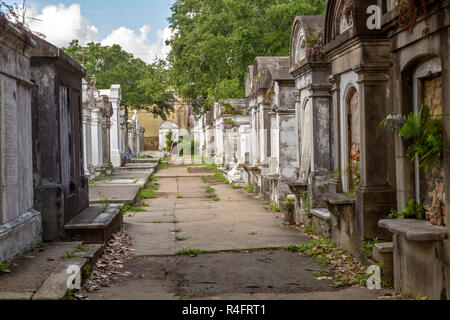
column 176, row 120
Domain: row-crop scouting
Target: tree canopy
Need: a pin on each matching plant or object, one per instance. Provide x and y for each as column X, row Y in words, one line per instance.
column 144, row 86
column 216, row 40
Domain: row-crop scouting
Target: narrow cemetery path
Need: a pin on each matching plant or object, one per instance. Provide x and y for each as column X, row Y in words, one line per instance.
column 182, row 218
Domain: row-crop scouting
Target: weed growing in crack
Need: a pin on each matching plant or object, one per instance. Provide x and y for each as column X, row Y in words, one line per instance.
column 276, row 208
column 38, row 246
column 190, row 251
column 69, row 255
column 79, row 248
column 3, row 268
column 130, row 208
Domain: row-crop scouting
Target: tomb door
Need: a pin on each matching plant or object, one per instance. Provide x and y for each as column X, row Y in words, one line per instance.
column 306, row 143
column 65, row 136
column 429, row 184
column 352, row 171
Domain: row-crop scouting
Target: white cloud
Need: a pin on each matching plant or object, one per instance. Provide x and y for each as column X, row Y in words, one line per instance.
column 138, row 44
column 63, row 24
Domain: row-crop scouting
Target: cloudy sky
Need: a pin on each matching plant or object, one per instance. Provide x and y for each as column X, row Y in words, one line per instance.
column 139, row 26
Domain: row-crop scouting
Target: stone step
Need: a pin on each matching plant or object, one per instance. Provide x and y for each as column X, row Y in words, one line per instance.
column 144, row 160
column 115, row 194
column 55, row 287
column 138, row 167
column 95, row 224
column 41, row 274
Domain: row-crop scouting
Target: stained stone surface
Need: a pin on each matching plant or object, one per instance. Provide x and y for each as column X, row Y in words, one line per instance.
column 415, row 230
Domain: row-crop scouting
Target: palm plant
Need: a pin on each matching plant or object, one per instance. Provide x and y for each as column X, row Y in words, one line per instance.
column 422, row 134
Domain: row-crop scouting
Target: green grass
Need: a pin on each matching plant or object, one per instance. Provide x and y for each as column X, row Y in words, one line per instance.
column 253, row 233
column 321, row 273
column 217, row 178
column 105, row 204
column 211, row 194
column 250, row 188
column 180, row 239
column 292, row 247
column 212, row 167
column 309, row 229
column 156, row 222
column 147, row 194
column 276, row 208
column 69, row 255
column 189, row 169
column 164, row 165
column 190, row 251
column 38, row 246
column 236, row 186
column 149, row 191
column 86, row 271
column 176, row 230
column 70, row 293
column 130, row 208
column 79, row 248
column 3, row 267
column 368, row 245
column 174, row 221
column 180, row 197
column 289, row 200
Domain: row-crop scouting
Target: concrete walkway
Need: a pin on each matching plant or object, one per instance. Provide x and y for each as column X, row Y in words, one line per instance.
column 182, row 217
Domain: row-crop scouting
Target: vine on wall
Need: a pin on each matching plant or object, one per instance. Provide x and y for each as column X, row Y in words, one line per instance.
column 409, row 11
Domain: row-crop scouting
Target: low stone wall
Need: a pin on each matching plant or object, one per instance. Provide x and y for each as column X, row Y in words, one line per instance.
column 321, row 222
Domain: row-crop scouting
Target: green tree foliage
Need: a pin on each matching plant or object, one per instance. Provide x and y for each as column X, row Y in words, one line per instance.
column 144, row 86
column 216, row 40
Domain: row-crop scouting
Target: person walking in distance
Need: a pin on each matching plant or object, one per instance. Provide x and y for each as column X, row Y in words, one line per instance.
column 174, row 148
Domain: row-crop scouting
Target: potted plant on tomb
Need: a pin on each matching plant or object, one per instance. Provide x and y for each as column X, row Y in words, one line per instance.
column 229, row 124
column 314, row 44
column 109, row 169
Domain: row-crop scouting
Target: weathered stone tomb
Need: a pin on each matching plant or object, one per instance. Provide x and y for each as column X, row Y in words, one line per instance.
column 20, row 223
column 61, row 188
